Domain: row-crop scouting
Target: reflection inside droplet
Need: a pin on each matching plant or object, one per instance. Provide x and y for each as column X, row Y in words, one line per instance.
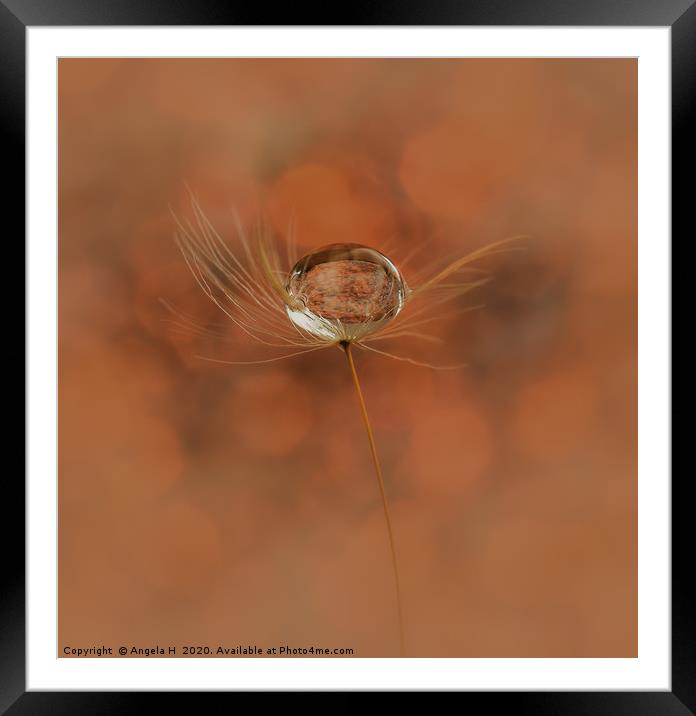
column 344, row 292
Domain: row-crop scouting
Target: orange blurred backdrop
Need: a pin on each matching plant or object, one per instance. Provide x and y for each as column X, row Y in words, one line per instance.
column 207, row 504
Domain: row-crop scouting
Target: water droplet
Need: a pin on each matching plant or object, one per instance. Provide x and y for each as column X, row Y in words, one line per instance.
column 344, row 292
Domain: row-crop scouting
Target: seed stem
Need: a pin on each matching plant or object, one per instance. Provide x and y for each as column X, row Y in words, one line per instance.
column 378, row 470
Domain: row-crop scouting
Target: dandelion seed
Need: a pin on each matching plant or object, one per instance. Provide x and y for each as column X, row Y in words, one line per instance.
column 340, row 295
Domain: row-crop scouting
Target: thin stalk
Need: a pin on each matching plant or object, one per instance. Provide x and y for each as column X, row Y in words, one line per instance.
column 378, row 470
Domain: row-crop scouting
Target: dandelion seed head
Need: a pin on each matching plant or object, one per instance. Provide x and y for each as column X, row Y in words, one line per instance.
column 344, row 292
column 337, row 295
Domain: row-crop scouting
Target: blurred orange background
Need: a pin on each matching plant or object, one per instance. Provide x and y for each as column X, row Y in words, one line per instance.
column 207, row 504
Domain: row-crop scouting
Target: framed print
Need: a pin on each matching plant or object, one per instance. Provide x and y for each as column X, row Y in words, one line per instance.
column 348, row 356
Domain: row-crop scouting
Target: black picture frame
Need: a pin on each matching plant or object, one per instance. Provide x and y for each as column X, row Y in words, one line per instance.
column 17, row 15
